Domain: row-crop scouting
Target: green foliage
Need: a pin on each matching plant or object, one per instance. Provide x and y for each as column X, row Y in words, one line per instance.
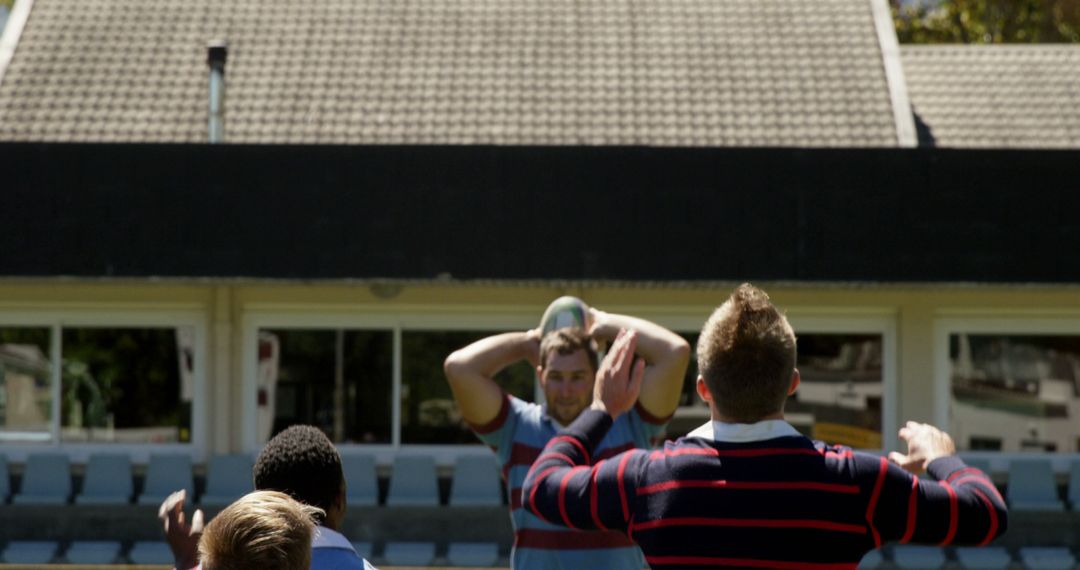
column 987, row 21
column 8, row 3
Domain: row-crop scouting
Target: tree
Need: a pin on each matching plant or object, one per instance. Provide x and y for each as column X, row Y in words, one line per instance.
column 987, row 21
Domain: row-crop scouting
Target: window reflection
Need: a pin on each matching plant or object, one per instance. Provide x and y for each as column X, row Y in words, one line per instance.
column 338, row 380
column 428, row 411
column 839, row 397
column 1015, row 392
column 25, row 384
column 128, row 385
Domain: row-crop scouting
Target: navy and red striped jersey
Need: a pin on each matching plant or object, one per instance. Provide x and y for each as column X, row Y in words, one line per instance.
column 788, row 503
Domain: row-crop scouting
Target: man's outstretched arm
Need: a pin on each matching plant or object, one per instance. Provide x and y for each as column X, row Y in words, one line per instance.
column 666, row 357
column 956, row 504
column 471, row 372
column 561, row 487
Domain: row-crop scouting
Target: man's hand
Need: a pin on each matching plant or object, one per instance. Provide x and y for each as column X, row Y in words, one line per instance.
column 183, row 538
column 619, row 379
column 925, row 443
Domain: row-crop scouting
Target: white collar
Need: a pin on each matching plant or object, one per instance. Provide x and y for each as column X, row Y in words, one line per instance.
column 742, row 433
column 330, row 538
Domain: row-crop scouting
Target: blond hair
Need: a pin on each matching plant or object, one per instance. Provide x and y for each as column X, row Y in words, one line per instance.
column 746, row 354
column 264, row 530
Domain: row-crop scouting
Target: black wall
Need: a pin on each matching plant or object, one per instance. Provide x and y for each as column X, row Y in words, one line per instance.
column 547, row 213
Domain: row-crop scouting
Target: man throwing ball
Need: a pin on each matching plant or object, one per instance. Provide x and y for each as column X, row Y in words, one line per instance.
column 566, row 363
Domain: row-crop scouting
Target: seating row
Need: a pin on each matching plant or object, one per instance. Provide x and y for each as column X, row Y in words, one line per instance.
column 1032, row 486
column 468, row 554
column 486, row 554
column 108, row 480
column 414, row 481
column 909, row 557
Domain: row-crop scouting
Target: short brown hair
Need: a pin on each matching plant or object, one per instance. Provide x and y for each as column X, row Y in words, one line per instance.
column 746, row 354
column 567, row 340
column 264, row 530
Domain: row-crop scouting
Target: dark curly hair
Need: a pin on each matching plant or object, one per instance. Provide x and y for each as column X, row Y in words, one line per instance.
column 303, row 463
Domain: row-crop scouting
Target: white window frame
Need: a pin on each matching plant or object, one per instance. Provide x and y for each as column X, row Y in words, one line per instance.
column 1012, row 325
column 375, row 318
column 118, row 317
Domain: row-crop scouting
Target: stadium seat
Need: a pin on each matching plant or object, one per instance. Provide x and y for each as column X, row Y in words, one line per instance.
column 476, row 481
column 983, row 558
column 150, row 552
column 475, row 554
column 30, row 552
column 1047, row 558
column 1074, row 485
column 1032, row 486
column 409, row 553
column 982, row 464
column 107, row 482
column 5, row 480
column 46, row 480
column 364, row 549
column 93, row 552
column 872, row 560
column 165, row 474
column 413, row 482
column 361, row 482
column 228, row 477
column 918, row 557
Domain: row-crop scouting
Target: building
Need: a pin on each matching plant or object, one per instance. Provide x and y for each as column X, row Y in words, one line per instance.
column 402, row 177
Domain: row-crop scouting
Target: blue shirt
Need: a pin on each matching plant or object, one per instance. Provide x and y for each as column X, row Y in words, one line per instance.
column 330, row 550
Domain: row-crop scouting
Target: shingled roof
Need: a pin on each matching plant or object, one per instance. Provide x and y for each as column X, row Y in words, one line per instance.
column 533, row 72
column 995, row 96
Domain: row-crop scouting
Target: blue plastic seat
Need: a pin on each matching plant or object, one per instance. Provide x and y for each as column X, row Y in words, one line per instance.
column 911, row 557
column 1074, row 485
column 983, row 558
column 5, row 480
column 475, row 554
column 361, row 481
column 228, row 477
column 166, row 474
column 46, row 480
column 364, row 549
column 150, row 552
column 30, row 552
column 413, row 482
column 871, row 560
column 1047, row 558
column 476, row 482
column 108, row 481
column 93, row 552
column 1032, row 486
column 409, row 553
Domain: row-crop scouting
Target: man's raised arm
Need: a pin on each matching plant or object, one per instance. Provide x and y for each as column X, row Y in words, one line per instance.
column 666, row 356
column 957, row 504
column 471, row 371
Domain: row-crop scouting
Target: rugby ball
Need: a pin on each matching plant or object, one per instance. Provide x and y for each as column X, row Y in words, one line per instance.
column 564, row 312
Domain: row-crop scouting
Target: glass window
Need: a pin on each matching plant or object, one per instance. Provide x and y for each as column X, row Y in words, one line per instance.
column 338, row 380
column 25, row 384
column 839, row 397
column 129, row 385
column 1015, row 392
column 428, row 411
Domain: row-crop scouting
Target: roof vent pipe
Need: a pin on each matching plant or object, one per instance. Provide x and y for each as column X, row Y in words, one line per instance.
column 216, row 54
